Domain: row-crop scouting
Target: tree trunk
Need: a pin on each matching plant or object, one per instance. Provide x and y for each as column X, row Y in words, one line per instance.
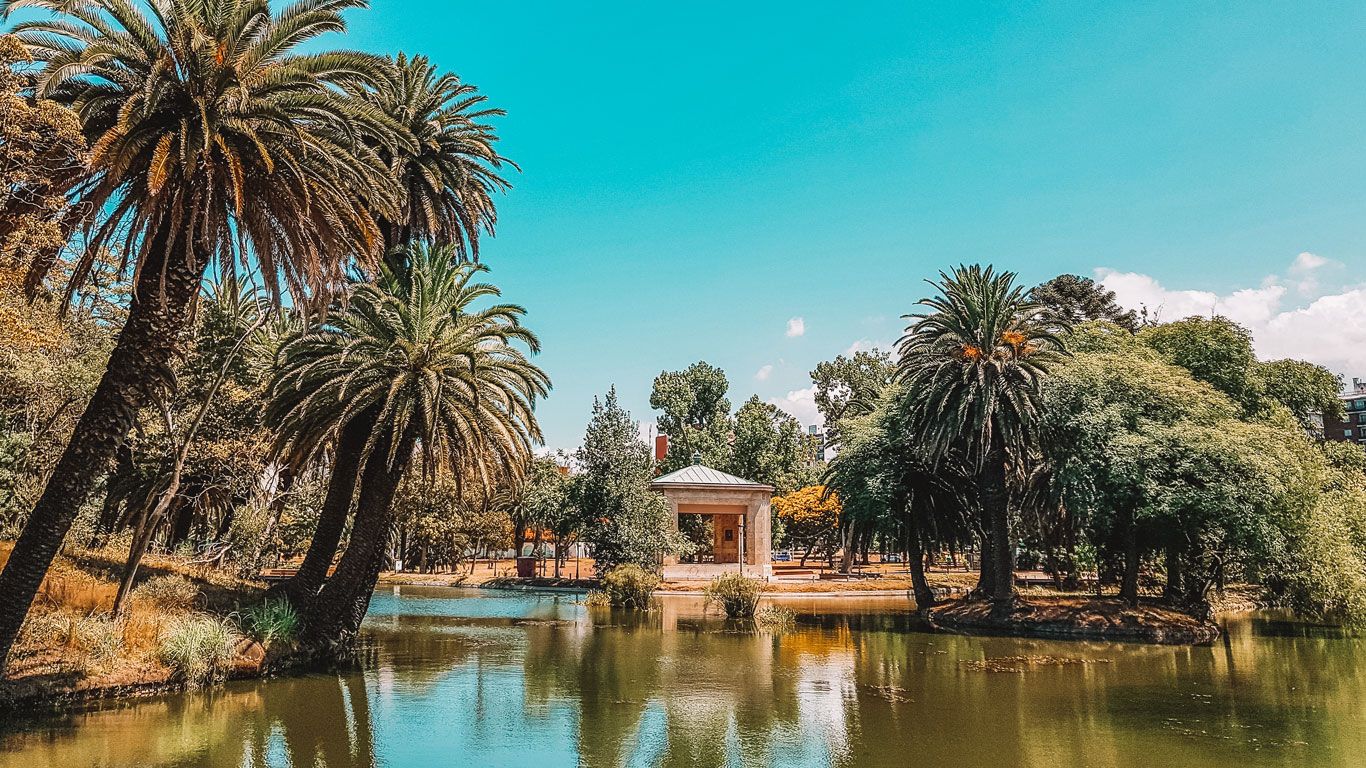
column 138, row 367
column 996, row 506
column 1128, row 588
column 334, row 617
column 847, row 549
column 1172, row 592
column 920, row 586
column 341, row 489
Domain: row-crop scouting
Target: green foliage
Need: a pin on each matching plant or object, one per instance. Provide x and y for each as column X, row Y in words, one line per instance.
column 199, row 648
column 629, row 586
column 416, row 351
column 170, row 592
column 737, row 595
column 1069, row 300
column 623, row 520
column 694, row 413
column 850, row 386
column 769, row 446
column 1304, row 388
column 972, row 362
column 271, row 621
column 1215, row 350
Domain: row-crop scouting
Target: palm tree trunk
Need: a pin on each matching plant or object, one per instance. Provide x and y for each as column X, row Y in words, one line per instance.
column 137, row 368
column 341, row 490
column 996, row 507
column 334, row 617
column 915, row 558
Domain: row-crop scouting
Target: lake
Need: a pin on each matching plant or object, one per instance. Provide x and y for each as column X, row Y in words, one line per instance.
column 473, row 678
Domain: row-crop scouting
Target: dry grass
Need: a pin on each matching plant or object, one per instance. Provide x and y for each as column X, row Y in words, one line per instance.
column 70, row 643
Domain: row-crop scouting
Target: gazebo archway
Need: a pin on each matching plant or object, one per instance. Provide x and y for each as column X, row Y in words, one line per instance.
column 739, row 509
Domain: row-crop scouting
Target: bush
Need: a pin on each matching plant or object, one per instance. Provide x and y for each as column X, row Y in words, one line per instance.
column 199, row 648
column 271, row 621
column 168, row 593
column 737, row 594
column 775, row 618
column 629, row 586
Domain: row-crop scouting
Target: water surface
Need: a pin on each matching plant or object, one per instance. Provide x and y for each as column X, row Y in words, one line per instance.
column 450, row 677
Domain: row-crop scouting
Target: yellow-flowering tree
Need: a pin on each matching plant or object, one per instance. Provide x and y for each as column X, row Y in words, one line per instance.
column 812, row 518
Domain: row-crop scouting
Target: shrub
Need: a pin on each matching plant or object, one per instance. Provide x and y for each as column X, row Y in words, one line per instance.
column 737, row 594
column 629, row 586
column 271, row 621
column 596, row 598
column 199, row 648
column 168, row 593
column 775, row 618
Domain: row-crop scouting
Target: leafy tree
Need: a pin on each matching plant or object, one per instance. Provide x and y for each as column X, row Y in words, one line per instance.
column 41, row 151
column 972, row 364
column 851, row 385
column 448, row 382
column 624, row 521
column 812, row 518
column 1305, row 388
column 770, row 447
column 695, row 414
column 1069, row 300
column 212, row 139
column 1215, row 350
column 448, row 173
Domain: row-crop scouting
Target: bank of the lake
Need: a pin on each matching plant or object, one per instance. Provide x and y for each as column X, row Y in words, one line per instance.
column 503, row 678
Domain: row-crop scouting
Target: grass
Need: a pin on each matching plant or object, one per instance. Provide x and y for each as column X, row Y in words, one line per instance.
column 271, row 621
column 737, row 595
column 629, row 586
column 70, row 644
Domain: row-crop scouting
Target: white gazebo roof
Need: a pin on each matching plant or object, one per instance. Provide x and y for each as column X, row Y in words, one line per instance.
column 698, row 475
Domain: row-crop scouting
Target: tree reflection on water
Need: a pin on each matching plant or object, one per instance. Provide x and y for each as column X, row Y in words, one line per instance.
column 543, row 681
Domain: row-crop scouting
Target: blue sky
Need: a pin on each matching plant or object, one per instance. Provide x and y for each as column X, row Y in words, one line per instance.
column 697, row 175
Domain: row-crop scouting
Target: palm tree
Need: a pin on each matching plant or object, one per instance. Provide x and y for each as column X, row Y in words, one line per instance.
column 212, row 139
column 446, row 176
column 971, row 366
column 444, row 381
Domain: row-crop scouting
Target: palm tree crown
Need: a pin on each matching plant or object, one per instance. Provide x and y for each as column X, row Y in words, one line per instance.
column 447, row 175
column 414, row 351
column 206, row 124
column 971, row 364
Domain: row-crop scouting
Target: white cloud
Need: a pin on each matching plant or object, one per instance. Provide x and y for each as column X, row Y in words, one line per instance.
column 866, row 345
column 1329, row 329
column 801, row 404
column 796, row 327
column 763, row 373
column 1307, row 262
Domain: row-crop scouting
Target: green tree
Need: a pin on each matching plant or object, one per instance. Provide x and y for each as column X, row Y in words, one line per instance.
column 694, row 413
column 624, row 521
column 971, row 365
column 851, row 385
column 1215, row 350
column 769, row 446
column 1305, row 388
column 208, row 131
column 445, row 174
column 1069, row 300
column 447, row 380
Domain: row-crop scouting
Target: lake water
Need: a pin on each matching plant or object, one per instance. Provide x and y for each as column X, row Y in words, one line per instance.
column 464, row 678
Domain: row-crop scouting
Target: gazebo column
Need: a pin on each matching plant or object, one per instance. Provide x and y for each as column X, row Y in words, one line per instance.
column 673, row 523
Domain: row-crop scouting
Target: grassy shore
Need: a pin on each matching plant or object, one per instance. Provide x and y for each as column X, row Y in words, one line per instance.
column 181, row 627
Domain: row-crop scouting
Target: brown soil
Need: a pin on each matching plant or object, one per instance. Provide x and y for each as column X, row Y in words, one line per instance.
column 1075, row 617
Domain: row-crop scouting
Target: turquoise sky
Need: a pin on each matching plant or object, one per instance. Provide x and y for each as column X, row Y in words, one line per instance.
column 696, row 175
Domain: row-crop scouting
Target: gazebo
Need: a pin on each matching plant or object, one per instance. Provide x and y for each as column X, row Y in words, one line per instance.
column 739, row 509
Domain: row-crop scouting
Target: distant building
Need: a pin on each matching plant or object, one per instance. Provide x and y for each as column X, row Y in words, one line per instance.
column 1353, row 428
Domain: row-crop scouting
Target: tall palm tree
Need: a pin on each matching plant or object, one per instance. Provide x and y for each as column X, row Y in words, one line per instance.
column 445, row 381
column 971, row 365
column 212, row 139
column 446, row 175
